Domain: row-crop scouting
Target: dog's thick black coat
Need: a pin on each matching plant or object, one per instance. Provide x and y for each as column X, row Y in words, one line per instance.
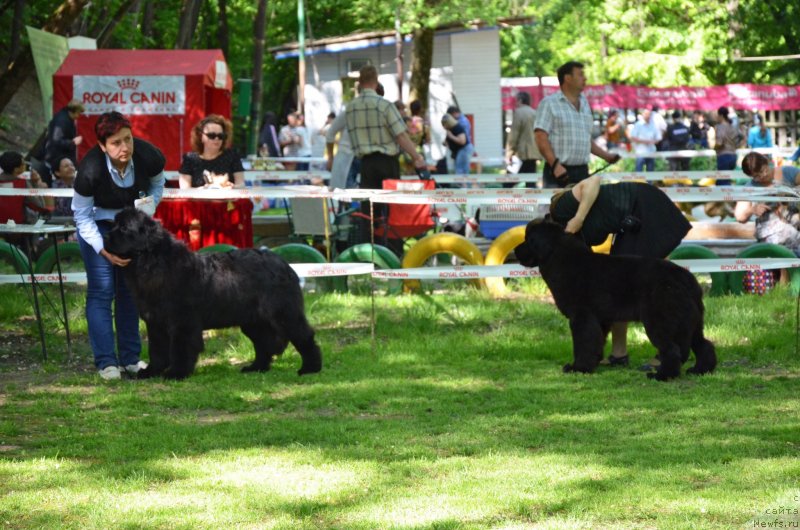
column 180, row 293
column 594, row 290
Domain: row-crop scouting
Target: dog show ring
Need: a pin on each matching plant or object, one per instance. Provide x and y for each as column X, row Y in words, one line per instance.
column 442, row 242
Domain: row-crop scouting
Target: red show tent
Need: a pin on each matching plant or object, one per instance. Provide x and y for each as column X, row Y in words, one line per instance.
column 163, row 92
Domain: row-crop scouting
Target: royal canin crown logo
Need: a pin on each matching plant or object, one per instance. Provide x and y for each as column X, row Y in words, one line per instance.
column 128, row 84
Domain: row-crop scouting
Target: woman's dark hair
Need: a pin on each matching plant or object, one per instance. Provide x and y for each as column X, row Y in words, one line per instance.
column 197, row 131
column 723, row 113
column 754, row 163
column 109, row 124
column 271, row 118
column 415, row 107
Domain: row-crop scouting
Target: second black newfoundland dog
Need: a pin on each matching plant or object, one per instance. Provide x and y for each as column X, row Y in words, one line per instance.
column 594, row 290
column 180, row 293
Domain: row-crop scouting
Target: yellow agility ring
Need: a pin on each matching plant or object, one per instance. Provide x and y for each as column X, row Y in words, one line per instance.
column 497, row 254
column 428, row 246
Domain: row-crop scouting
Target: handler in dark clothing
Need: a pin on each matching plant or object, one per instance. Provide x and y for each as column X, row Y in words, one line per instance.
column 62, row 138
column 644, row 221
column 112, row 175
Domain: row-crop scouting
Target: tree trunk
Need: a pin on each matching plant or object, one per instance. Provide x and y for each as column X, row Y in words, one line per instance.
column 16, row 31
column 421, row 60
column 222, row 28
column 18, row 71
column 190, row 13
column 259, row 34
column 104, row 38
column 148, row 16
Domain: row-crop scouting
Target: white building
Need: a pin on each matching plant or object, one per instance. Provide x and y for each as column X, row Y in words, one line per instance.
column 465, row 72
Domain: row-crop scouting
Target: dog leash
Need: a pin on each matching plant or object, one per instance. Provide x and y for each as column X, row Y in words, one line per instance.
column 596, row 171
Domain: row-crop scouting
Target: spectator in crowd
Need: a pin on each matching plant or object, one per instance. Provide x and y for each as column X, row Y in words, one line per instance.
column 64, row 179
column 339, row 163
column 645, row 137
column 521, row 141
column 614, row 130
column 644, row 220
column 22, row 209
column 377, row 133
column 698, row 129
column 563, row 130
column 419, row 130
column 289, row 139
column 62, row 136
column 113, row 175
column 268, row 144
column 212, row 161
column 727, row 139
column 304, row 150
column 759, row 135
column 776, row 223
column 678, row 137
column 458, row 143
column 661, row 126
column 455, row 112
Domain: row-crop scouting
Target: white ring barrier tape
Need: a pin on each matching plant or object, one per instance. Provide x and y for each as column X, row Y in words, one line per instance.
column 442, row 196
column 518, row 271
column 264, row 175
column 691, row 153
column 303, row 270
column 307, row 270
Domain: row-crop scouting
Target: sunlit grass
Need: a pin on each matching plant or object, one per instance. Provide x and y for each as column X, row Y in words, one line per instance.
column 456, row 416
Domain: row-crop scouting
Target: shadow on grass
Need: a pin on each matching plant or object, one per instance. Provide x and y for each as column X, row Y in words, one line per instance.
column 463, row 379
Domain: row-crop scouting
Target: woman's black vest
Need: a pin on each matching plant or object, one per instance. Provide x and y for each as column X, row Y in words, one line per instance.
column 94, row 180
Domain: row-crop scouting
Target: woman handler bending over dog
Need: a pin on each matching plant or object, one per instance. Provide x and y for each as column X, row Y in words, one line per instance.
column 115, row 173
column 643, row 220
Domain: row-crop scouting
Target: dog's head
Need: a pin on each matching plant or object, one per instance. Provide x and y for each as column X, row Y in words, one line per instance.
column 134, row 232
column 541, row 237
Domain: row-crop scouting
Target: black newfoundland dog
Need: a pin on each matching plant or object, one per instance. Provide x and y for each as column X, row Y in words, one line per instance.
column 180, row 293
column 594, row 290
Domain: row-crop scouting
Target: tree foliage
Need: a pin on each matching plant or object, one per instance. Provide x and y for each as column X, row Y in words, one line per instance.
column 657, row 43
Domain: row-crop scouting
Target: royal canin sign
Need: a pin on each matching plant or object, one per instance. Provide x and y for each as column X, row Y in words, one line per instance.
column 131, row 95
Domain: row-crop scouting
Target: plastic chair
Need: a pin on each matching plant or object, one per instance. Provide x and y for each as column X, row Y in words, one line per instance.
column 317, row 219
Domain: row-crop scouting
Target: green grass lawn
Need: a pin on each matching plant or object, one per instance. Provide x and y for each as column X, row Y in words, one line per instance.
column 457, row 416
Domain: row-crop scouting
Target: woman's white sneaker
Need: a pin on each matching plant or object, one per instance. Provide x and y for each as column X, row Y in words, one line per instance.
column 110, row 372
column 133, row 369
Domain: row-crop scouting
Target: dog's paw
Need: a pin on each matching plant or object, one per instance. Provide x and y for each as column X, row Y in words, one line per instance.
column 694, row 370
column 309, row 369
column 145, row 373
column 569, row 368
column 658, row 376
column 174, row 375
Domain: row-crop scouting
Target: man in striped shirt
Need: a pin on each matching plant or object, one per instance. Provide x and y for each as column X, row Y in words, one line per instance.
column 563, row 130
column 377, row 133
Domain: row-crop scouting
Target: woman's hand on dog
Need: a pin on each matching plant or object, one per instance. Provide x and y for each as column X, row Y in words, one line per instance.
column 114, row 259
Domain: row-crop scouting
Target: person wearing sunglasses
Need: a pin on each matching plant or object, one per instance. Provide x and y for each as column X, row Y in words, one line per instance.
column 212, row 162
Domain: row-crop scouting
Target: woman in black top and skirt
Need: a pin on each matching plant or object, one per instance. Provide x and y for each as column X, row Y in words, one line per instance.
column 644, row 221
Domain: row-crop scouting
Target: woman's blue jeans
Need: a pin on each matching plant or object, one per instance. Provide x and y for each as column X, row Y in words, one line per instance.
column 106, row 285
